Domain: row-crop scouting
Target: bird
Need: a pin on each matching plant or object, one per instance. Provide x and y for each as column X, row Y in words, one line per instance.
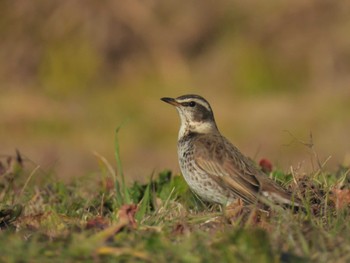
column 215, row 169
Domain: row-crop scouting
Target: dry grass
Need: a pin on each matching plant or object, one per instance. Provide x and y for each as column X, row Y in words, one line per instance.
column 93, row 219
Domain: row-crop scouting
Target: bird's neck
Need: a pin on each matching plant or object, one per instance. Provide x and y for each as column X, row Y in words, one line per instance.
column 187, row 128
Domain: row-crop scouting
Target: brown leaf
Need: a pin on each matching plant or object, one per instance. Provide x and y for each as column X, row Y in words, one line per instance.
column 97, row 223
column 180, row 229
column 126, row 218
column 341, row 198
column 234, row 210
column 127, row 214
column 259, row 218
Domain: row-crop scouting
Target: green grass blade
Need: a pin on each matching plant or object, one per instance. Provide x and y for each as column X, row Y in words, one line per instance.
column 123, row 192
column 119, row 195
column 145, row 203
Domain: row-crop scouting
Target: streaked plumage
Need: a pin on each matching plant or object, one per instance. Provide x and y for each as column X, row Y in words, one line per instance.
column 214, row 168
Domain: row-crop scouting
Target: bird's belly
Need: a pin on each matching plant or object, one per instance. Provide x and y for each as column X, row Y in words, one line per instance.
column 200, row 182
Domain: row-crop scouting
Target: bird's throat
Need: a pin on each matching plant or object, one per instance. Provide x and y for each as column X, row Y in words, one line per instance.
column 187, row 128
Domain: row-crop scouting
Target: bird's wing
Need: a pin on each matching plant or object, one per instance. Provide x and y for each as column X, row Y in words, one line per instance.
column 227, row 166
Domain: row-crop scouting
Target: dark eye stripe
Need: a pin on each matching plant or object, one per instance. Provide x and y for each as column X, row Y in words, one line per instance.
column 193, row 104
column 186, row 104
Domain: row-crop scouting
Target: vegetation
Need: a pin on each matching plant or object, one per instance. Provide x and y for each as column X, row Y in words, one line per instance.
column 101, row 219
column 71, row 70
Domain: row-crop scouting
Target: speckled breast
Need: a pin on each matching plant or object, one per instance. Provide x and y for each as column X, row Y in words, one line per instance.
column 198, row 180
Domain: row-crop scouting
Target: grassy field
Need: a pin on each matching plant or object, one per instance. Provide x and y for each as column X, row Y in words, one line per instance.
column 98, row 218
column 71, row 71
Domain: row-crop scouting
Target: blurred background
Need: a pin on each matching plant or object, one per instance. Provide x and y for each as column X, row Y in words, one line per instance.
column 71, row 72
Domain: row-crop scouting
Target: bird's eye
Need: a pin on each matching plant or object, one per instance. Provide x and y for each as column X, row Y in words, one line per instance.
column 192, row 104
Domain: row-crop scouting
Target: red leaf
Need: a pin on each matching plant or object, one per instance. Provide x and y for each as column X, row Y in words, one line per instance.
column 266, row 165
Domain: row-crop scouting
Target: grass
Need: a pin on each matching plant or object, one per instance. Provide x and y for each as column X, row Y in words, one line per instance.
column 98, row 218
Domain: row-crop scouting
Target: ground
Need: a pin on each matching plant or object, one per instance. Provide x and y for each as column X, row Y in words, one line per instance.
column 97, row 218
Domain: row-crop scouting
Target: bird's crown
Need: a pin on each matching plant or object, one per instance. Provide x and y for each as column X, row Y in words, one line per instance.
column 192, row 100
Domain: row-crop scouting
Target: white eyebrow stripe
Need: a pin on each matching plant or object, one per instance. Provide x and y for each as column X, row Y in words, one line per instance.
column 201, row 102
column 204, row 104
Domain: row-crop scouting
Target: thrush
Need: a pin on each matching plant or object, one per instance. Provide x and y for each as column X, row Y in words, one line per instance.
column 213, row 167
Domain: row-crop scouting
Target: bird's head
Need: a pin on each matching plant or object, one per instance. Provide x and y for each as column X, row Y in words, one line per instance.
column 195, row 113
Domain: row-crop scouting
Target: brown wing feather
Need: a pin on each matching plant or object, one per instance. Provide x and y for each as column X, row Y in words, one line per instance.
column 225, row 167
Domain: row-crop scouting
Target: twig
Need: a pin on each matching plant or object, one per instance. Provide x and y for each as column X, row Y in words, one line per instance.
column 28, row 179
column 309, row 145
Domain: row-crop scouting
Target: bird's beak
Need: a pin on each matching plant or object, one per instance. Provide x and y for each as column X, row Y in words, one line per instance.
column 171, row 101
